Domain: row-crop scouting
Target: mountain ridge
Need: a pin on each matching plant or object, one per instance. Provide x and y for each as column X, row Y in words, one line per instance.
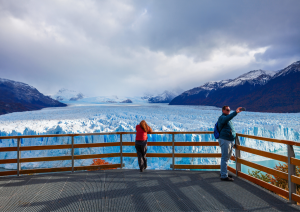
column 243, row 91
column 18, row 96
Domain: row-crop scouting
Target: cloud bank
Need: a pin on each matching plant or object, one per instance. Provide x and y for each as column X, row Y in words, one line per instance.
column 134, row 47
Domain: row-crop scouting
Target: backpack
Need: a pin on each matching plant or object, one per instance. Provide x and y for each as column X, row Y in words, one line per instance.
column 216, row 131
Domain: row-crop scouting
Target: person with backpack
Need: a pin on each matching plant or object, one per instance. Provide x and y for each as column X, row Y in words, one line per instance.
column 141, row 143
column 225, row 132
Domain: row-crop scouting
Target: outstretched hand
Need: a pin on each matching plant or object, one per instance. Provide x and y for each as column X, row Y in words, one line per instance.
column 238, row 110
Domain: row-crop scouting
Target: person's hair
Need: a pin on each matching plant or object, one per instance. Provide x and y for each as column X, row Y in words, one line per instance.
column 145, row 126
column 224, row 107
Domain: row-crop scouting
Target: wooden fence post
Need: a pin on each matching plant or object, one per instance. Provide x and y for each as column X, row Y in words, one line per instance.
column 18, row 156
column 237, row 155
column 121, row 150
column 291, row 171
column 173, row 152
column 72, row 152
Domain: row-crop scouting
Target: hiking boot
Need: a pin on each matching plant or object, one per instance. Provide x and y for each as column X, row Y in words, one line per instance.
column 227, row 179
column 229, row 175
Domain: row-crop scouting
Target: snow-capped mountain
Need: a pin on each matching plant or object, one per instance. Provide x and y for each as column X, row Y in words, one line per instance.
column 255, row 77
column 244, row 83
column 293, row 68
column 281, row 94
column 68, row 95
column 257, row 90
column 165, row 97
column 18, row 96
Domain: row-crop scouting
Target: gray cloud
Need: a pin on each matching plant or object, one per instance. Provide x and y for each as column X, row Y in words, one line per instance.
column 132, row 47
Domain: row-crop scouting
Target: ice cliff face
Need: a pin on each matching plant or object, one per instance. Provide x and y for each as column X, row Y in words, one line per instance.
column 102, row 118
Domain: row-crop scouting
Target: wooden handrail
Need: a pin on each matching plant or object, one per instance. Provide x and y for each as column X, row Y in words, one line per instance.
column 263, row 153
column 294, row 143
column 291, row 160
column 280, row 174
column 183, row 166
column 261, row 183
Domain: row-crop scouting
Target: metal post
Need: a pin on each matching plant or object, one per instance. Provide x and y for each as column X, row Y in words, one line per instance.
column 292, row 171
column 121, row 150
column 18, row 157
column 173, row 151
column 72, row 152
column 237, row 155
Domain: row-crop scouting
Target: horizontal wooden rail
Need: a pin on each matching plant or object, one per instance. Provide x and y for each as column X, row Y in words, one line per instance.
column 97, row 145
column 108, row 155
column 229, row 168
column 264, row 184
column 76, row 168
column 280, row 174
column 45, row 147
column 296, row 197
column 76, row 157
column 261, row 183
column 33, row 171
column 270, row 139
column 295, row 161
column 40, row 159
column 182, row 166
column 196, row 143
column 198, row 155
column 6, row 161
column 107, row 166
column 7, row 173
column 149, row 143
column 68, row 146
column 295, row 179
column 8, row 149
column 263, row 153
column 161, row 155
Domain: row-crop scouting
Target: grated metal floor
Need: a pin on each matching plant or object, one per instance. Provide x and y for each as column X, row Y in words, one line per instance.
column 130, row 190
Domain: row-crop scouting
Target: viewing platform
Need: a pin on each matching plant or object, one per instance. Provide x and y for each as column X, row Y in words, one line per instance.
column 131, row 190
column 78, row 188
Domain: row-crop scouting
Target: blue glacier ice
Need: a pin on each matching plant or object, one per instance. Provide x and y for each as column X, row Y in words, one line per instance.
column 89, row 118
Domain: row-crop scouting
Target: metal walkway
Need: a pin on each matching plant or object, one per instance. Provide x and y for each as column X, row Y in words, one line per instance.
column 130, row 190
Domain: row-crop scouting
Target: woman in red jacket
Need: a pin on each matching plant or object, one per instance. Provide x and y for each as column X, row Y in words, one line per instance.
column 141, row 143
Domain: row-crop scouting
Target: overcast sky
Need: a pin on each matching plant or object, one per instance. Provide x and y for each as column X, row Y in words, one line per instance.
column 126, row 47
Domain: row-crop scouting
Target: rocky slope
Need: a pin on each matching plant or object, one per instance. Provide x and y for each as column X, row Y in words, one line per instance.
column 18, row 96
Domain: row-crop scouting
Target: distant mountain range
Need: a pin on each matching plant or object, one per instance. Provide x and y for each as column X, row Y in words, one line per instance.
column 18, row 96
column 257, row 90
column 165, row 97
column 68, row 95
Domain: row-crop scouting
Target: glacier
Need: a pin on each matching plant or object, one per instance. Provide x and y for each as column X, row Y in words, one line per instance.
column 95, row 118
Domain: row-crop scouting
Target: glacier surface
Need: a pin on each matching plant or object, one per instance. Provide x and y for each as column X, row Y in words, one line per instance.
column 90, row 118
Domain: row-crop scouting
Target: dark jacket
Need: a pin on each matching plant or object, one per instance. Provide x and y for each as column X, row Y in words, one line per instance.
column 226, row 127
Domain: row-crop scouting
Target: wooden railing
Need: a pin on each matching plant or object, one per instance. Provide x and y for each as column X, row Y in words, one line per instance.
column 289, row 159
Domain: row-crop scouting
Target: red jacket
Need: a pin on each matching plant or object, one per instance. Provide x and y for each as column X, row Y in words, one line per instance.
column 141, row 135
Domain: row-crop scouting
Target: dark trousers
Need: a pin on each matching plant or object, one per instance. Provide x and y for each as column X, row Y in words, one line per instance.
column 141, row 151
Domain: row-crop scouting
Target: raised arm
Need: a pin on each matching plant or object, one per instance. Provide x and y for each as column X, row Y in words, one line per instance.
column 226, row 119
column 150, row 130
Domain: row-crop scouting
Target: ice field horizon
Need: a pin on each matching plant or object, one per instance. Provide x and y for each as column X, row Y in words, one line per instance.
column 95, row 118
